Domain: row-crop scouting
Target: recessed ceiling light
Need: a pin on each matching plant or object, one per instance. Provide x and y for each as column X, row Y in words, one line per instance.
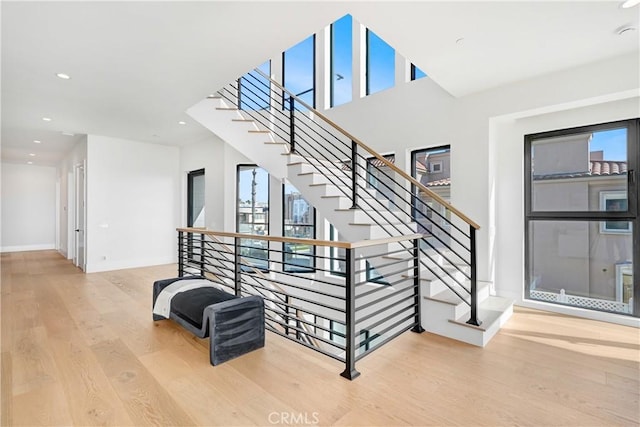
column 37, row 141
column 63, row 76
column 625, row 29
column 68, row 133
column 182, row 123
column 629, row 3
column 32, row 154
column 29, row 163
column 46, row 119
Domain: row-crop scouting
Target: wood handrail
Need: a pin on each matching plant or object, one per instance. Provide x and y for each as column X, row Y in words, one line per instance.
column 386, row 162
column 313, row 242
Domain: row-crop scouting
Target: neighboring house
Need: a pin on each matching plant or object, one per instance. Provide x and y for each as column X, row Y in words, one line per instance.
column 583, row 258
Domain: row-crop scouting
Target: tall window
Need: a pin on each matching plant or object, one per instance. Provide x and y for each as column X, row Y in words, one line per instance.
column 252, row 212
column 195, row 198
column 381, row 64
column 341, row 60
column 337, row 256
column 255, row 90
column 581, row 207
column 382, row 178
column 432, row 168
column 298, row 220
column 417, row 73
column 299, row 71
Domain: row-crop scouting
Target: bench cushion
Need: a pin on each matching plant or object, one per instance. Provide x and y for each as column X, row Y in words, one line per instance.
column 189, row 305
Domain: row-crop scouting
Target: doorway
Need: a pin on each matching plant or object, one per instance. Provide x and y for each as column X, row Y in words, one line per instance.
column 80, row 215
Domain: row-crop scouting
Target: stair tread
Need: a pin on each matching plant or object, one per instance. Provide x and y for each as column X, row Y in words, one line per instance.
column 258, row 131
column 227, row 108
column 243, row 120
column 276, row 142
column 489, row 311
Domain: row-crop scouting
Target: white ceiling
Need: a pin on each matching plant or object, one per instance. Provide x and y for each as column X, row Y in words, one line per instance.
column 137, row 66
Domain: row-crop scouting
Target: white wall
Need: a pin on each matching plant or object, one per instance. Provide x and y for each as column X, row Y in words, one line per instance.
column 486, row 133
column 66, row 215
column 205, row 155
column 133, row 203
column 28, row 207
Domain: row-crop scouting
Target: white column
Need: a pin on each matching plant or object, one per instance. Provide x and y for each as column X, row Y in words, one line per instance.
column 323, row 69
column 359, row 61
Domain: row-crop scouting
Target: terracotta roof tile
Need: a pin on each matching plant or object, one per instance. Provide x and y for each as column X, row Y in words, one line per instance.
column 596, row 168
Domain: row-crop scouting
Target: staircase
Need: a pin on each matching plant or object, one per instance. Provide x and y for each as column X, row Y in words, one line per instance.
column 332, row 170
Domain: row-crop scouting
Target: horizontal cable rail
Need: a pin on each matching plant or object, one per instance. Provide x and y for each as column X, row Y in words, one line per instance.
column 344, row 317
column 389, row 197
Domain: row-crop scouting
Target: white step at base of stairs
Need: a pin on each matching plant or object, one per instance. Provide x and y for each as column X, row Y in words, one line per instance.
column 434, row 287
column 449, row 320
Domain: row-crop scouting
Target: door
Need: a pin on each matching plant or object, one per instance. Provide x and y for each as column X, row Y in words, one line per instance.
column 79, row 258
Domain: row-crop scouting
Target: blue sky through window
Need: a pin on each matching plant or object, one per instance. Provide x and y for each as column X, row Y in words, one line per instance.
column 381, row 64
column 298, row 70
column 245, row 178
column 612, row 142
column 417, row 73
column 341, row 60
column 254, row 89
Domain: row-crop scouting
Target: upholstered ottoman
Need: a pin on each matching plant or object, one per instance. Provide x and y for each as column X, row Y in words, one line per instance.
column 234, row 325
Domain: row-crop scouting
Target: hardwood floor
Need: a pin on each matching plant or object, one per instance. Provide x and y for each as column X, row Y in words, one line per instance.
column 82, row 350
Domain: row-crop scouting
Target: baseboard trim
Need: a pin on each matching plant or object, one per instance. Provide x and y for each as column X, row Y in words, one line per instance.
column 122, row 265
column 26, row 248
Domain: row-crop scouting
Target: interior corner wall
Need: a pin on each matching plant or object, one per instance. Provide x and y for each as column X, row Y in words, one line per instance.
column 508, row 134
column 28, row 207
column 207, row 155
column 420, row 114
column 133, row 199
column 77, row 155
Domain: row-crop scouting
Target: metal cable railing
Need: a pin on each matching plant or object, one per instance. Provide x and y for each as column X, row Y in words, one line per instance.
column 390, row 198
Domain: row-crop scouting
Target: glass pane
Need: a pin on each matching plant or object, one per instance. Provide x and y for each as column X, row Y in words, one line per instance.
column 298, row 221
column 299, row 66
column 255, row 89
column 196, row 199
column 253, row 213
column 432, row 167
column 581, row 172
column 383, row 179
column 580, row 263
column 341, row 60
column 338, row 255
column 381, row 64
column 417, row 73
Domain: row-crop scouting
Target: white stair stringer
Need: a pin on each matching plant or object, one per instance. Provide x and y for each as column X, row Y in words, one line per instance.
column 324, row 185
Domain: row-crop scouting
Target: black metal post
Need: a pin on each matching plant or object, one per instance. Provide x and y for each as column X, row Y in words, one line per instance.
column 292, row 125
column 286, row 316
column 354, row 175
column 473, row 320
column 416, row 283
column 202, row 255
column 350, row 316
column 180, row 254
column 237, row 269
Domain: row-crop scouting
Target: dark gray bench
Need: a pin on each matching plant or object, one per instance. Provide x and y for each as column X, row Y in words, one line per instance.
column 234, row 325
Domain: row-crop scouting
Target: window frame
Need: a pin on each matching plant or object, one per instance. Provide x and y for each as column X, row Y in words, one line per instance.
column 190, row 177
column 313, row 268
column 284, row 68
column 633, row 194
column 367, row 75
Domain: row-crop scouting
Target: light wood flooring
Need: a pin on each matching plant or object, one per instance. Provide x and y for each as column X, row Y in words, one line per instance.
column 82, row 350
